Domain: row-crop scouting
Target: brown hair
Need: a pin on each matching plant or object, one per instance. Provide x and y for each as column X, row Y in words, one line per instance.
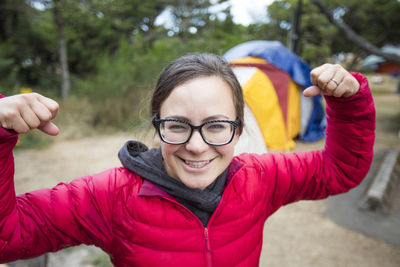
column 193, row 66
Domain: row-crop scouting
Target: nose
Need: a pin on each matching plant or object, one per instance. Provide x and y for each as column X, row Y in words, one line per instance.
column 196, row 143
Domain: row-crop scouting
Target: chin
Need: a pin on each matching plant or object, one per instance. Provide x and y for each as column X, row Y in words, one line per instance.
column 202, row 184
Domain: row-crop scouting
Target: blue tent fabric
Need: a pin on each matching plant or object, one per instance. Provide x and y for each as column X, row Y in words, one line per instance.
column 315, row 129
column 277, row 54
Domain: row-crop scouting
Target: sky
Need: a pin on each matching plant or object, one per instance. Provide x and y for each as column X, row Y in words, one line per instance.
column 243, row 11
column 248, row 11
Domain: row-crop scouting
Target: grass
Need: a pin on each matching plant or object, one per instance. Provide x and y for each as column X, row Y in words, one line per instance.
column 34, row 139
column 98, row 259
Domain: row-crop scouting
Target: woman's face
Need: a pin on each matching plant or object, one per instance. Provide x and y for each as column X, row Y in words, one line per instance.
column 195, row 163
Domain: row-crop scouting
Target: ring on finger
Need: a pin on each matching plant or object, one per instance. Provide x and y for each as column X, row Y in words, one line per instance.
column 336, row 82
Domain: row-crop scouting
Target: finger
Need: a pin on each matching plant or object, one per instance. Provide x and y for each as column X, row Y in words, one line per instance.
column 17, row 124
column 50, row 104
column 333, row 87
column 340, row 90
column 350, row 85
column 4, row 124
column 324, row 80
column 315, row 73
column 30, row 118
column 49, row 128
column 312, row 91
column 41, row 111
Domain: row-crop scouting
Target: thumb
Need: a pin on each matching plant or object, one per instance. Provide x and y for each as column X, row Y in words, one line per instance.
column 312, row 91
column 49, row 128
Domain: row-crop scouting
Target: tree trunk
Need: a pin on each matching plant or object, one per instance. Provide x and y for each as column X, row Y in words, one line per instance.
column 295, row 29
column 353, row 37
column 62, row 52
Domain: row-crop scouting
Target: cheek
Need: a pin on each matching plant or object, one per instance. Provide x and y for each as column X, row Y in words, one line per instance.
column 168, row 150
column 226, row 151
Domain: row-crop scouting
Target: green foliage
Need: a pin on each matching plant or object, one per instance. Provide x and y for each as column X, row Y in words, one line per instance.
column 99, row 259
column 316, row 33
column 375, row 20
column 113, row 93
column 33, row 139
column 8, row 69
column 115, row 50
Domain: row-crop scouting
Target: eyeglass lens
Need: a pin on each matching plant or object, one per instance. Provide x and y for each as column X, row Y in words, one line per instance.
column 213, row 132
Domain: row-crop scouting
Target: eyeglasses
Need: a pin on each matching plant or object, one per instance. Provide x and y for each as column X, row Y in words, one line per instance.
column 178, row 132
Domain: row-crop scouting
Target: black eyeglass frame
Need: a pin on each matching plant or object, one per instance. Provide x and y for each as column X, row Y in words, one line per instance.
column 157, row 123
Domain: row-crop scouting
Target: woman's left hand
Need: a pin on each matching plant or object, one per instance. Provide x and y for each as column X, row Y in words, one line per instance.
column 332, row 80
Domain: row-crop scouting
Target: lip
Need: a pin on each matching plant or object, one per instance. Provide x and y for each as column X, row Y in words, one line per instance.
column 196, row 165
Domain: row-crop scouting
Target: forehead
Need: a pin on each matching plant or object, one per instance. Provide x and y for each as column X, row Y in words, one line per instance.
column 199, row 98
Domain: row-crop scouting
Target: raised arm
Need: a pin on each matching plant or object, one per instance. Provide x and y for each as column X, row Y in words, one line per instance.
column 48, row 219
column 348, row 152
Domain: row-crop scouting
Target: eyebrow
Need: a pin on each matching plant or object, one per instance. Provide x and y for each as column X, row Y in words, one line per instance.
column 209, row 118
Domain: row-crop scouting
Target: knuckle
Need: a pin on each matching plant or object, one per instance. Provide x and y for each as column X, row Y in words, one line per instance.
column 29, row 98
column 337, row 67
column 34, row 124
column 322, row 80
column 54, row 107
column 26, row 97
column 10, row 114
column 46, row 117
column 22, row 129
column 348, row 81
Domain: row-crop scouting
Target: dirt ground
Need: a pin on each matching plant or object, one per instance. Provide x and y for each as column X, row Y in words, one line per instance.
column 297, row 235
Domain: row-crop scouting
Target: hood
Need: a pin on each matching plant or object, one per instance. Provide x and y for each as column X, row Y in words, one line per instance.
column 148, row 163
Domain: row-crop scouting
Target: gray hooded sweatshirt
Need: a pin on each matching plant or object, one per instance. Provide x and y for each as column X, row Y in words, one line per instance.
column 136, row 157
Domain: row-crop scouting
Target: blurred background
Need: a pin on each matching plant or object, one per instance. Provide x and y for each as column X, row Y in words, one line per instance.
column 103, row 56
column 100, row 60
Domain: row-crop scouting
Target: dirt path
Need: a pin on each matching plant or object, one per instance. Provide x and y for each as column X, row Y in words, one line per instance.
column 297, row 235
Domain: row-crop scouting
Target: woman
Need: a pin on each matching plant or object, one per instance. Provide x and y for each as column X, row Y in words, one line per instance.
column 190, row 202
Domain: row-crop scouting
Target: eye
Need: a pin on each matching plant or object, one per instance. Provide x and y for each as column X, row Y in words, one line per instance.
column 217, row 126
column 173, row 126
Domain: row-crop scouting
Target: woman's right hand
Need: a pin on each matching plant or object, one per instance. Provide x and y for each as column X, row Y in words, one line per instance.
column 26, row 112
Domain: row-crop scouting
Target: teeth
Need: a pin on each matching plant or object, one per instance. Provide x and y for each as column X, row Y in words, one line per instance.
column 197, row 164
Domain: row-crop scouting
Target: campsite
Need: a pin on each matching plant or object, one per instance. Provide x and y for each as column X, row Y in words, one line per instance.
column 113, row 52
column 66, row 159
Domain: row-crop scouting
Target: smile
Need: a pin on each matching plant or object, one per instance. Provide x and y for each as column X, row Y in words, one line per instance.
column 197, row 164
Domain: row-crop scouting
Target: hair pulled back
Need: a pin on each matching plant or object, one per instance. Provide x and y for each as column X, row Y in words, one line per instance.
column 192, row 66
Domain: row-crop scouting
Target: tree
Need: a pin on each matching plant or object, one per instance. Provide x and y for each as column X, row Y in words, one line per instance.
column 376, row 21
column 353, row 37
column 316, row 32
column 23, row 51
column 62, row 52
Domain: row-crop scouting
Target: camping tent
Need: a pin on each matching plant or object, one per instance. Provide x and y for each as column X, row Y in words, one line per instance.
column 272, row 79
column 381, row 65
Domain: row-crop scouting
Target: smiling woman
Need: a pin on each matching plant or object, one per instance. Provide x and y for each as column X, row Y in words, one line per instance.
column 190, row 202
column 195, row 163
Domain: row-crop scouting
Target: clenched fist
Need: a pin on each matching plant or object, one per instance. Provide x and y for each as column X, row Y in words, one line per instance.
column 26, row 112
column 332, row 80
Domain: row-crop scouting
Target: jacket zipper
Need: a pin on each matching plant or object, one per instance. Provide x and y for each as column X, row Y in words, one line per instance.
column 206, row 234
column 206, row 237
column 208, row 251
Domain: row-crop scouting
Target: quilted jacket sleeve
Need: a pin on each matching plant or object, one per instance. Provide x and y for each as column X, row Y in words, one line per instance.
column 51, row 219
column 340, row 166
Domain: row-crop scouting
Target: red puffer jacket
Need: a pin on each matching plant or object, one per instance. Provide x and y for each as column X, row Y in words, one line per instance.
column 138, row 224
